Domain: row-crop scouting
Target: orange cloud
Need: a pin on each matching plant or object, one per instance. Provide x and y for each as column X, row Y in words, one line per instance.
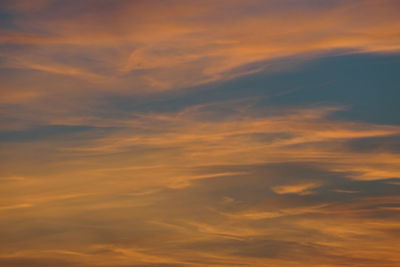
column 301, row 189
column 183, row 44
column 195, row 187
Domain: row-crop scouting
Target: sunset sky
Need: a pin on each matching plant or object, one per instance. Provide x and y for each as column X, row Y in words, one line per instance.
column 144, row 133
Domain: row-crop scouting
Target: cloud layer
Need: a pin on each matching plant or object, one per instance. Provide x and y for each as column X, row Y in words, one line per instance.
column 169, row 133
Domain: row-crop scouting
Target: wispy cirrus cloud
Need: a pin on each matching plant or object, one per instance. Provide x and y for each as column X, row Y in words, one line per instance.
column 178, row 44
column 182, row 133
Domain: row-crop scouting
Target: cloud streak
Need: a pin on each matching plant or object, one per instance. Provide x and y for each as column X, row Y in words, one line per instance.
column 156, row 45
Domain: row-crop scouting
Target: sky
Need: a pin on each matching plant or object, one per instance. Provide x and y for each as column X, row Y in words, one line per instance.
column 149, row 133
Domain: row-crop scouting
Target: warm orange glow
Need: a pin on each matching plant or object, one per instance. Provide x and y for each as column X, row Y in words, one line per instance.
column 108, row 160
